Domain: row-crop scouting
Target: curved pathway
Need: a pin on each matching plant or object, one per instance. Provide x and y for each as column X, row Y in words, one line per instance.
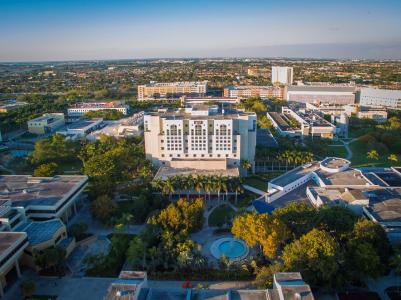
column 349, row 151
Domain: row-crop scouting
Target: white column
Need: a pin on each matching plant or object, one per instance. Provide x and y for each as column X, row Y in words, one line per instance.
column 18, row 269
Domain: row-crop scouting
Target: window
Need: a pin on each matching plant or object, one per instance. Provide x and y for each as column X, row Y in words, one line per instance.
column 223, row 129
column 173, row 130
column 198, row 129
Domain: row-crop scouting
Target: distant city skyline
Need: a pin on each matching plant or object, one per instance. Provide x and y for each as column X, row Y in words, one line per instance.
column 45, row 30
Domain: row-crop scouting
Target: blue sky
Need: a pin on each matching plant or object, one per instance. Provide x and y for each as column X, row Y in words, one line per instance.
column 99, row 29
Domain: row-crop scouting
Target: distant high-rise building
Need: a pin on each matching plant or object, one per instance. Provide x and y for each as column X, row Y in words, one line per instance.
column 282, row 75
column 156, row 90
column 380, row 98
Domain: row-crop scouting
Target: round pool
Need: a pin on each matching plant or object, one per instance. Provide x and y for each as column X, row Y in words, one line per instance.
column 229, row 247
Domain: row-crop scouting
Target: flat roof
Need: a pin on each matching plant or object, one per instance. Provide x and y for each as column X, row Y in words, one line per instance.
column 165, row 172
column 318, row 88
column 8, row 240
column 84, row 123
column 180, row 114
column 25, row 190
column 42, row 231
column 345, row 178
column 295, row 174
column 334, row 162
column 385, row 205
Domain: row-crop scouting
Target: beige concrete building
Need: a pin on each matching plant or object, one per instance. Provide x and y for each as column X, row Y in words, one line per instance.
column 255, row 91
column 200, row 138
column 46, row 124
column 282, row 75
column 160, row 90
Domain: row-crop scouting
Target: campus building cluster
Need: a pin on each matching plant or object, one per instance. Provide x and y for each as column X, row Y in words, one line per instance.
column 47, row 123
column 375, row 194
column 200, row 138
column 291, row 123
column 165, row 90
column 33, row 214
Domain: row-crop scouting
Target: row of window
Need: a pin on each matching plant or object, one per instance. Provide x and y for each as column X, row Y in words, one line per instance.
column 195, row 155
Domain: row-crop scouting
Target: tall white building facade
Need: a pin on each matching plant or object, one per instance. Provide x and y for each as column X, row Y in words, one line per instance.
column 204, row 138
column 282, row 75
column 380, row 98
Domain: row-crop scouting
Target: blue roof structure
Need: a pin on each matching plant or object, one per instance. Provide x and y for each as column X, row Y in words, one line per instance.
column 64, row 243
column 262, row 207
column 40, row 232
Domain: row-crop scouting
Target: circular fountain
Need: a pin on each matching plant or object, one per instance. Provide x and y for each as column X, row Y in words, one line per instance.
column 229, row 247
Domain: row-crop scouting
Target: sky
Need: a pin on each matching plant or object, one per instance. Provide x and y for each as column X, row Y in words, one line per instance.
column 46, row 30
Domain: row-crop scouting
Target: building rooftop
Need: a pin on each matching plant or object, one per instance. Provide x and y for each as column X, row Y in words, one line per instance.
column 104, row 105
column 335, row 163
column 388, row 178
column 41, row 231
column 348, row 177
column 84, row 123
column 177, row 83
column 385, row 205
column 8, row 240
column 182, row 114
column 25, row 190
column 165, row 172
column 319, row 88
column 295, row 174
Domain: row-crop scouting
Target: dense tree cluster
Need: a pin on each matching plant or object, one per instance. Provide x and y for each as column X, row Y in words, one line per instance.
column 330, row 246
column 165, row 243
column 105, row 114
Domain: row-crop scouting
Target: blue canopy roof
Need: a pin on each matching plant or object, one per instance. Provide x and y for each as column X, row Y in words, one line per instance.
column 262, row 207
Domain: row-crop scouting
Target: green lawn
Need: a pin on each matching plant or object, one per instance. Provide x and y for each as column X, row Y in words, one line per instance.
column 221, row 215
column 245, row 199
column 256, row 182
column 337, row 151
column 260, row 180
column 359, row 158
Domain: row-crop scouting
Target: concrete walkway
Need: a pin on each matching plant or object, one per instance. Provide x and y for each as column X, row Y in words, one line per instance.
column 380, row 285
column 349, row 151
column 253, row 190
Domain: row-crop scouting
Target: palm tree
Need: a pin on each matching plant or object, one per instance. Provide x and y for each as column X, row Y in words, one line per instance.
column 237, row 187
column 372, row 154
column 392, row 157
column 168, row 187
column 225, row 186
column 219, row 186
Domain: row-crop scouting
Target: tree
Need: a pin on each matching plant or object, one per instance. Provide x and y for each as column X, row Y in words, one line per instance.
column 78, row 230
column 336, row 219
column 373, row 155
column 183, row 215
column 103, row 208
column 270, row 233
column 28, row 288
column 46, row 170
column 136, row 253
column 370, row 232
column 246, row 164
column 264, row 275
column 315, row 255
column 393, row 157
column 49, row 258
column 362, row 260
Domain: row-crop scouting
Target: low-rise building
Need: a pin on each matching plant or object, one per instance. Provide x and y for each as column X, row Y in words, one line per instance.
column 10, row 105
column 380, row 98
column 168, row 90
column 82, row 128
column 80, row 109
column 361, row 112
column 43, row 198
column 12, row 246
column 339, row 95
column 127, row 127
column 131, row 285
column 255, row 91
column 191, row 101
column 47, row 123
column 301, row 123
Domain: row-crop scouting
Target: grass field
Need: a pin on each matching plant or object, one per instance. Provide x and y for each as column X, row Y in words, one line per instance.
column 221, row 215
column 260, row 180
column 359, row 158
column 337, row 151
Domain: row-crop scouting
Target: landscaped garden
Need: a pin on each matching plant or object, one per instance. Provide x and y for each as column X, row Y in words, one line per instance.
column 221, row 215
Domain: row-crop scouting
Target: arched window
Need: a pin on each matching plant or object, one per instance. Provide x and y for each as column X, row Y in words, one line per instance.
column 173, row 129
column 198, row 129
